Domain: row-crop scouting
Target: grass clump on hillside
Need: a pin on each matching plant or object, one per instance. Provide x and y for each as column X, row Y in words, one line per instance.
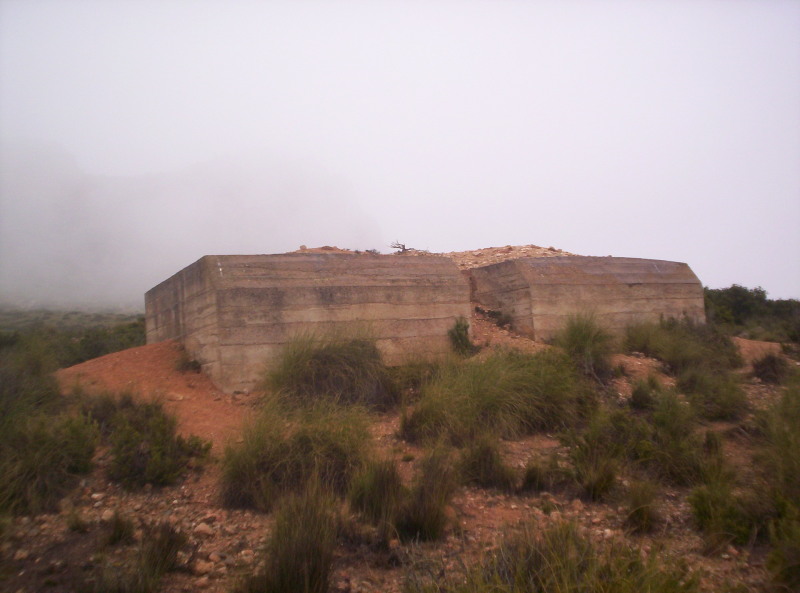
column 508, row 393
column 145, row 446
column 559, row 558
column 377, row 492
column 482, row 464
column 299, row 555
column 282, row 448
column 779, row 459
column 701, row 358
column 588, row 344
column 771, row 368
column 43, row 444
column 423, row 515
column 344, row 369
column 146, row 449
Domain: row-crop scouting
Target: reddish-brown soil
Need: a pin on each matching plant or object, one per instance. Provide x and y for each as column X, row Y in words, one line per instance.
column 45, row 555
column 151, row 372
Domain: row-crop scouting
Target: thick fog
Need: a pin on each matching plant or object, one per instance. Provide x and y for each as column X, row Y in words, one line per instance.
column 136, row 137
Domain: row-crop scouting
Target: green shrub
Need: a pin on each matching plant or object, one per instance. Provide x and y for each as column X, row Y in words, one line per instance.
column 720, row 514
column 588, row 344
column 157, row 555
column 280, row 451
column 547, row 476
column 643, row 514
column 377, row 492
column 333, row 368
column 120, row 530
column 644, row 393
column 677, row 453
column 459, row 338
column 771, row 368
column 715, row 395
column 300, row 551
column 683, row 345
column 560, row 559
column 594, row 454
column 423, row 516
column 784, row 557
column 508, row 393
column 145, row 448
column 779, row 453
column 40, row 457
column 482, row 464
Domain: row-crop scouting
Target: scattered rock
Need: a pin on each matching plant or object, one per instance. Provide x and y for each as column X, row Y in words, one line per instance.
column 204, row 529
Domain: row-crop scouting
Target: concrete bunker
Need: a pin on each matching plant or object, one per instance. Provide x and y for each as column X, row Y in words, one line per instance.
column 233, row 313
column 539, row 294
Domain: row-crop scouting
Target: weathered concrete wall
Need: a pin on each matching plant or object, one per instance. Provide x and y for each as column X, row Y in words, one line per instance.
column 540, row 293
column 234, row 313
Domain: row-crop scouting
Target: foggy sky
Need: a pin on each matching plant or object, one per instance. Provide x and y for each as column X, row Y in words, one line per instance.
column 136, row 137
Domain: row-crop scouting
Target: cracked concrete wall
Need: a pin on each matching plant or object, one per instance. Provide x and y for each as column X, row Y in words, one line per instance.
column 234, row 313
column 540, row 293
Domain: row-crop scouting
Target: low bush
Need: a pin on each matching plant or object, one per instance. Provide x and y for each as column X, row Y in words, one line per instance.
column 588, row 344
column 595, row 455
column 281, row 450
column 334, row 368
column 682, row 345
column 645, row 393
column 481, row 464
column 40, row 459
column 377, row 492
column 779, row 452
column 560, row 559
column 508, row 393
column 459, row 338
column 771, row 368
column 715, row 395
column 145, row 448
column 784, row 557
column 423, row 516
column 720, row 514
column 643, row 514
column 544, row 476
column 156, row 556
column 299, row 555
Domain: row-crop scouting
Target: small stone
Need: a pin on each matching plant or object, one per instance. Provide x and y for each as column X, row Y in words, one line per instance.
column 214, row 557
column 204, row 529
column 202, row 582
column 201, row 567
column 21, row 554
column 209, row 518
column 608, row 534
column 107, row 515
column 98, row 496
